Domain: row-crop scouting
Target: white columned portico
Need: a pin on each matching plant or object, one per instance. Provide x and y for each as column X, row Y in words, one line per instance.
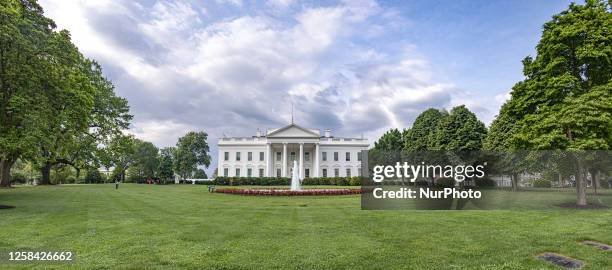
column 301, row 166
column 284, row 166
column 269, row 157
column 316, row 161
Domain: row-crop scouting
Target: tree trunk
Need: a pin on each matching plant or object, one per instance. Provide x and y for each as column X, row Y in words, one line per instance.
column 595, row 181
column 5, row 172
column 514, row 179
column 45, row 171
column 580, row 185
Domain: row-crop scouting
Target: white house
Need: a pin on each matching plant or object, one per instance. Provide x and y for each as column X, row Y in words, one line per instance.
column 272, row 154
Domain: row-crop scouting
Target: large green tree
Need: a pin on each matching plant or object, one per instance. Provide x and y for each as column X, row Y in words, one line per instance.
column 165, row 171
column 420, row 136
column 459, row 131
column 191, row 151
column 392, row 140
column 565, row 100
column 146, row 160
column 24, row 38
column 121, row 154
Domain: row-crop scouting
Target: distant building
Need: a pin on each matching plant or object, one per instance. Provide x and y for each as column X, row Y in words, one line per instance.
column 272, row 154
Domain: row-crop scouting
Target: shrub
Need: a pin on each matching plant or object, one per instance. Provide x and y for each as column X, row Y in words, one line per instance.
column 542, row 183
column 93, row 176
column 284, row 181
column 445, row 183
column 18, row 178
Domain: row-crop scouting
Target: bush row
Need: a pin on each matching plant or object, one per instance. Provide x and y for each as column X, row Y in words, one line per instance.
column 283, row 181
column 286, row 192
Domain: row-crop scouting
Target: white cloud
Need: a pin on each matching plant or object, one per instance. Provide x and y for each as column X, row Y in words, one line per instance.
column 188, row 71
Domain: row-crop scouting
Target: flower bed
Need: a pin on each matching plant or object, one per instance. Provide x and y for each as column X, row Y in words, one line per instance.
column 287, row 192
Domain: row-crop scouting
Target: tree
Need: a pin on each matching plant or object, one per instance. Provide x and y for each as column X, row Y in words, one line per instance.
column 164, row 170
column 146, row 160
column 121, row 153
column 24, row 36
column 392, row 140
column 459, row 131
column 191, row 151
column 199, row 174
column 565, row 100
column 420, row 136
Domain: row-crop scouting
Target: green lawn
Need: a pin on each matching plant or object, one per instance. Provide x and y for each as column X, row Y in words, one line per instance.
column 184, row 226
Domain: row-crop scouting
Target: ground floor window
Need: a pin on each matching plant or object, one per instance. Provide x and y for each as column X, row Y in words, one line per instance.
column 348, row 172
column 278, row 172
column 261, row 172
column 337, row 172
column 237, row 172
column 225, row 172
column 249, row 172
column 324, row 172
column 307, row 173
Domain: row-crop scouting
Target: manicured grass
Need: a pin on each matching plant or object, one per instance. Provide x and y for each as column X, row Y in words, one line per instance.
column 184, row 226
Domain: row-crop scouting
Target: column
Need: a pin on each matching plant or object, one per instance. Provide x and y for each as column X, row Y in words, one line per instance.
column 284, row 160
column 316, row 161
column 301, row 166
column 269, row 157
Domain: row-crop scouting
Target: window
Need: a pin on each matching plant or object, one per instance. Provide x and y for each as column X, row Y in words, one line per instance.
column 278, row 173
column 292, row 156
column 307, row 156
column 348, row 172
column 261, row 156
column 250, row 156
column 237, row 156
column 359, row 156
column 249, row 172
column 225, row 172
column 324, row 156
column 335, row 156
column 261, row 172
column 307, row 173
column 336, row 172
column 226, row 156
column 348, row 156
column 324, row 172
column 237, row 172
column 278, row 156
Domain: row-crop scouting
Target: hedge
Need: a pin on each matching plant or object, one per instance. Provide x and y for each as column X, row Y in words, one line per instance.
column 284, row 181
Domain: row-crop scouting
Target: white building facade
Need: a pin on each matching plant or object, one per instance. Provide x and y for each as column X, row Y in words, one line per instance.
column 272, row 154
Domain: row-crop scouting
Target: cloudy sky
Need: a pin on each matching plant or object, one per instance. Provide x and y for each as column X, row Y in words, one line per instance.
column 228, row 67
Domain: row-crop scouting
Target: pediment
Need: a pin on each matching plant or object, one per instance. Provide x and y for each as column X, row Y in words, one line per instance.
column 293, row 131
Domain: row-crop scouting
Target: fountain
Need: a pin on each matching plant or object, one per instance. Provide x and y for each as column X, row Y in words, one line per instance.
column 295, row 177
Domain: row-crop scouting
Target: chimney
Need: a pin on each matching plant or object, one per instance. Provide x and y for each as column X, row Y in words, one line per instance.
column 258, row 133
column 327, row 133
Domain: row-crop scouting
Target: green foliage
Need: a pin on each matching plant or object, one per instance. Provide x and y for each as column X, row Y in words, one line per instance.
column 283, row 181
column 565, row 100
column 199, row 174
column 93, row 176
column 146, row 161
column 191, row 151
column 57, row 106
column 459, row 131
column 542, row 183
column 390, row 141
column 164, row 170
column 421, row 135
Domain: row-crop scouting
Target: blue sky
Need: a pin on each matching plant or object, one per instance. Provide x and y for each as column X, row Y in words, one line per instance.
column 229, row 67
